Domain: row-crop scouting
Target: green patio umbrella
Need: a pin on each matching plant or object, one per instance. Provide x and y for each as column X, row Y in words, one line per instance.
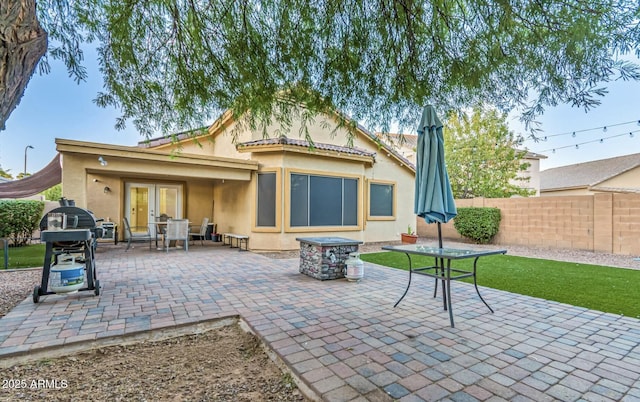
column 433, row 196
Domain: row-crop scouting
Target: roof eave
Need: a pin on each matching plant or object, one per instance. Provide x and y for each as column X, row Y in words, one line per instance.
column 305, row 150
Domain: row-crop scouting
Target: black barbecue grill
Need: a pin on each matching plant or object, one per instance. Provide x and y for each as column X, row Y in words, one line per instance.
column 79, row 239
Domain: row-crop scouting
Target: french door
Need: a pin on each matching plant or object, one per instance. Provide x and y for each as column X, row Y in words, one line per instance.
column 145, row 202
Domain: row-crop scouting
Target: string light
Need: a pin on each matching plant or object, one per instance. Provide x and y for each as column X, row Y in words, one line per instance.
column 599, row 140
column 573, row 133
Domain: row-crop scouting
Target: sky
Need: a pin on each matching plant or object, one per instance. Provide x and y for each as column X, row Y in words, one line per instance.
column 55, row 106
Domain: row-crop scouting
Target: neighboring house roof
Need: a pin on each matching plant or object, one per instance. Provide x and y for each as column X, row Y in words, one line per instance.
column 46, row 178
column 532, row 155
column 588, row 174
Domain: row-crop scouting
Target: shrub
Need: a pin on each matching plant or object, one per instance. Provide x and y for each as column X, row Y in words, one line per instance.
column 53, row 193
column 19, row 218
column 478, row 224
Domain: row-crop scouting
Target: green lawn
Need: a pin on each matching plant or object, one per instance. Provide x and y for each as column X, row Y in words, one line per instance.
column 612, row 290
column 24, row 257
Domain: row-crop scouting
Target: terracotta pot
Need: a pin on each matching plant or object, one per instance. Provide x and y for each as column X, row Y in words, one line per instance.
column 408, row 238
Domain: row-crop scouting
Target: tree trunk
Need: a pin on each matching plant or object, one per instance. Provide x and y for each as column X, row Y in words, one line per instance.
column 22, row 43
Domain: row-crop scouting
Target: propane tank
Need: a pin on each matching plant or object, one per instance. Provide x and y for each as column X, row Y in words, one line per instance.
column 355, row 267
column 67, row 276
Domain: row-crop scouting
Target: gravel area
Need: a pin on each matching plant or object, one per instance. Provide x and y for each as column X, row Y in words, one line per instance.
column 15, row 286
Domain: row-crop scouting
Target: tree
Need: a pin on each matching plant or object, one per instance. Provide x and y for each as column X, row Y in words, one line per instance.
column 53, row 193
column 170, row 65
column 5, row 174
column 482, row 156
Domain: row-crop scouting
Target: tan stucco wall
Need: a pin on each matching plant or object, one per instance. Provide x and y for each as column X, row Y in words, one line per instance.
column 84, row 180
column 227, row 195
column 236, row 213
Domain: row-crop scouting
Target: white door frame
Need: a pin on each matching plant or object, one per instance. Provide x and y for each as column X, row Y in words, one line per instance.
column 154, row 200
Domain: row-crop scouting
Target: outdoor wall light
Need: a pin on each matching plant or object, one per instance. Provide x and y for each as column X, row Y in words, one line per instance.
column 96, row 180
column 107, row 189
column 102, row 161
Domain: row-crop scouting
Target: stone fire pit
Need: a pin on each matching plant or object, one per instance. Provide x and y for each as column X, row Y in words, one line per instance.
column 324, row 257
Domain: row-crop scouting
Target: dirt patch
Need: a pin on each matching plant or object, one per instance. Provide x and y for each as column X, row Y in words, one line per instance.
column 224, row 364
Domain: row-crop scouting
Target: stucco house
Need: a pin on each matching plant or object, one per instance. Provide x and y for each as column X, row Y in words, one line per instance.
column 613, row 175
column 272, row 190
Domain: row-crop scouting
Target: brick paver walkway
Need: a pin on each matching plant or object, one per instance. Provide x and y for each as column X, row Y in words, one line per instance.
column 345, row 340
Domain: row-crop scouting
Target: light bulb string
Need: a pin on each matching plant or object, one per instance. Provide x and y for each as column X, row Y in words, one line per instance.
column 601, row 140
column 574, row 132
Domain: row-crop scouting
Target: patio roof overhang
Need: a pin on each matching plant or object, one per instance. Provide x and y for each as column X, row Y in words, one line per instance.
column 138, row 162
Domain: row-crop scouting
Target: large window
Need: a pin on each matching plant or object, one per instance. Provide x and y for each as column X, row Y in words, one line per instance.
column 266, row 213
column 323, row 201
column 381, row 200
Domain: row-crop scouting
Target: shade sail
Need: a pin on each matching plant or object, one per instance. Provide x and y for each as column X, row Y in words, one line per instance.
column 433, row 196
column 46, row 178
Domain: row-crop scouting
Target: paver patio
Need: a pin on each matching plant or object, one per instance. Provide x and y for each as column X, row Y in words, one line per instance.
column 345, row 340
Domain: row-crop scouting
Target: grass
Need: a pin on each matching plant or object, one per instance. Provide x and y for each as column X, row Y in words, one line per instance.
column 24, row 257
column 612, row 290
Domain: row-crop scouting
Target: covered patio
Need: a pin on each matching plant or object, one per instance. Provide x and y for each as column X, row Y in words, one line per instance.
column 342, row 340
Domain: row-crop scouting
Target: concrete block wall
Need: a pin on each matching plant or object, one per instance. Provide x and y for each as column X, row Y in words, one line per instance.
column 604, row 222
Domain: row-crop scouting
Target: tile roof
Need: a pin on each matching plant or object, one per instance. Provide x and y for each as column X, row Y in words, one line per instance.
column 587, row 174
column 305, row 144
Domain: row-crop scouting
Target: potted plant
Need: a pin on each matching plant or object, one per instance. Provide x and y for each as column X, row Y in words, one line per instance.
column 409, row 237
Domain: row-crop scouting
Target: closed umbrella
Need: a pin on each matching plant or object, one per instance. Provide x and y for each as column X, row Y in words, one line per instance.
column 433, row 196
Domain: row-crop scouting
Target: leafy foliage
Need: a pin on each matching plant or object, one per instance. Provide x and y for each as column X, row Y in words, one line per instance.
column 478, row 224
column 53, row 193
column 482, row 156
column 6, row 174
column 170, row 65
column 19, row 218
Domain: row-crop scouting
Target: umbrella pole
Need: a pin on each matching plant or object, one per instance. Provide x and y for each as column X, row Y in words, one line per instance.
column 442, row 273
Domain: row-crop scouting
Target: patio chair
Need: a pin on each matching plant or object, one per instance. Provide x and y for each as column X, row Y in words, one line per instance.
column 161, row 226
column 177, row 229
column 136, row 234
column 200, row 231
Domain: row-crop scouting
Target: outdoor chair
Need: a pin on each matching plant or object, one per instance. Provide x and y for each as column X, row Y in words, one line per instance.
column 161, row 226
column 136, row 234
column 177, row 229
column 200, row 231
